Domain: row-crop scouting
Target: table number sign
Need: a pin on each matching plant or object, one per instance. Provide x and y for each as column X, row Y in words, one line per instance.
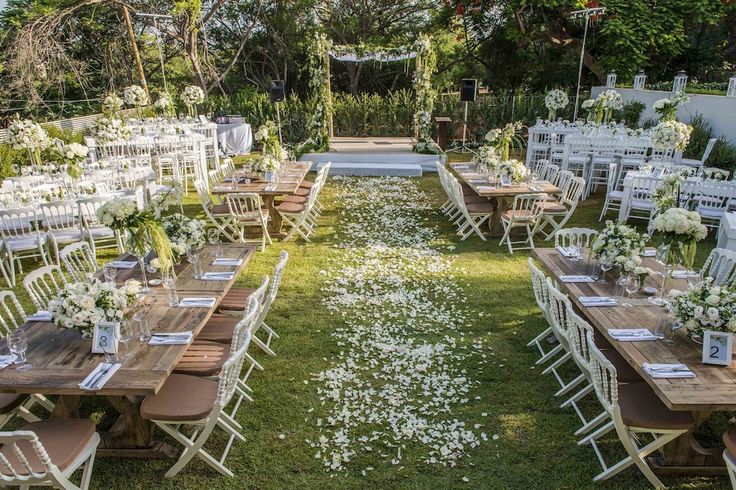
column 717, row 348
column 104, row 338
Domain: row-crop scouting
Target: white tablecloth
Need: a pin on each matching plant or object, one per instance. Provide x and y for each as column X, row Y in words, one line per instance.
column 235, row 139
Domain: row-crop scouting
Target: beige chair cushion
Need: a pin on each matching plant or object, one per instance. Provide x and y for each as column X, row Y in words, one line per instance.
column 295, row 199
column 640, row 407
column 729, row 438
column 10, row 401
column 553, row 207
column 219, row 328
column 181, row 398
column 302, row 191
column 220, row 209
column 306, row 184
column 480, row 208
column 520, row 215
column 203, row 358
column 236, row 299
column 63, row 440
column 290, row 208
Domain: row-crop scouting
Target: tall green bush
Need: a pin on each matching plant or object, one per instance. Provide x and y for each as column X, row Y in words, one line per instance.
column 724, row 152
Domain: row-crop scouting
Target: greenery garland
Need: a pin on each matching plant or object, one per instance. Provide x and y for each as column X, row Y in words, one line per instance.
column 425, row 96
column 376, row 52
column 318, row 132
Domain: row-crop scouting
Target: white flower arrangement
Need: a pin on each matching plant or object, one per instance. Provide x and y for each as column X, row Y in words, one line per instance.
column 487, row 158
column 116, row 212
column 717, row 174
column 611, row 100
column 503, row 138
column 75, row 153
column 620, row 245
column 192, row 95
column 554, row 101
column 81, row 305
column 515, row 170
column 135, row 96
column 682, row 230
column 184, row 233
column 266, row 163
column 164, row 103
column 667, row 108
column 24, row 134
column 671, row 134
column 704, row 307
column 112, row 104
column 108, row 129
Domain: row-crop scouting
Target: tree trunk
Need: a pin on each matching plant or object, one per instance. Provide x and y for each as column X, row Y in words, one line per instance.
column 354, row 70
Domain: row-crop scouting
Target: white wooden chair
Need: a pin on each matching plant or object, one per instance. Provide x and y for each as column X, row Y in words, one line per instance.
column 25, row 461
column 557, row 213
column 641, row 205
column 247, row 211
column 474, row 214
column 635, row 412
column 296, row 216
column 559, row 306
column 3, row 264
column 197, row 404
column 729, row 454
column 79, row 261
column 691, row 162
column 524, row 213
column 63, row 224
column 549, row 172
column 95, row 232
column 712, row 200
column 721, row 266
column 614, row 190
column 576, row 157
column 580, row 237
column 539, row 285
column 268, row 300
column 218, row 214
column 43, row 285
column 21, row 238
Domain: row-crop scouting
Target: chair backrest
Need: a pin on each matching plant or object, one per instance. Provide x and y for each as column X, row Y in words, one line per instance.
column 278, row 274
column 61, row 215
column 549, row 172
column 708, row 149
column 573, row 191
column 230, row 373
column 539, row 285
column 18, row 223
column 88, row 210
column 244, row 204
column 577, row 337
column 580, row 237
column 613, row 178
column 563, row 177
column 17, row 469
column 12, row 314
column 559, row 305
column 605, row 381
column 204, row 194
column 44, row 284
column 245, row 325
column 79, row 260
column 642, row 187
column 714, row 196
column 527, row 207
column 721, row 266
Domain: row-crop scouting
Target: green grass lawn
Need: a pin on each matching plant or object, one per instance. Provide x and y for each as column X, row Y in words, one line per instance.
column 536, row 447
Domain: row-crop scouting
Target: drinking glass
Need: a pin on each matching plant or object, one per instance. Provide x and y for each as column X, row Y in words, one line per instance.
column 169, row 283
column 620, row 288
column 213, row 236
column 140, row 315
column 110, row 272
column 606, row 265
column 574, row 250
column 18, row 344
column 125, row 334
column 193, row 258
column 632, row 286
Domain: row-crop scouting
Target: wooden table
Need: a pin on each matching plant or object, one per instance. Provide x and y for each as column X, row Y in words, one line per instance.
column 500, row 194
column 287, row 185
column 712, row 390
column 61, row 360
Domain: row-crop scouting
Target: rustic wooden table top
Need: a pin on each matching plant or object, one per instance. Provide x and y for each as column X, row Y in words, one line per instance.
column 482, row 186
column 713, row 388
column 288, row 183
column 61, row 359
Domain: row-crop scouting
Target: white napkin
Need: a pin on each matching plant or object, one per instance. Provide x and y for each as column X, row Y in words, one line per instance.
column 174, row 338
column 564, row 251
column 463, row 167
column 96, row 380
column 40, row 316
column 197, row 303
column 227, row 262
column 597, row 301
column 222, row 188
column 631, row 334
column 663, row 371
column 7, row 360
column 485, row 188
column 649, row 252
column 124, row 264
column 685, row 274
column 570, row 279
column 217, row 276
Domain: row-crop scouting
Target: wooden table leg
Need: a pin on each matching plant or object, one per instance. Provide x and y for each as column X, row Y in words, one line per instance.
column 685, row 455
column 67, row 407
column 274, row 223
column 494, row 224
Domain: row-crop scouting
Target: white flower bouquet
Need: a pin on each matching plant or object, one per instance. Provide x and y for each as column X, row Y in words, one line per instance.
column 502, row 138
column 24, row 134
column 554, row 101
column 717, row 174
column 112, row 104
column 81, row 305
column 513, row 170
column 487, row 159
column 164, row 104
column 184, row 233
column 108, row 129
column 135, row 96
column 266, row 163
column 611, row 100
column 705, row 307
column 667, row 108
column 620, row 245
column 268, row 136
column 671, row 134
column 682, row 230
column 72, row 155
column 192, row 96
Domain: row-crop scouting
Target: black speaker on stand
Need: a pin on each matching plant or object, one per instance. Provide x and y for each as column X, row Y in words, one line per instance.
column 468, row 93
column 277, row 94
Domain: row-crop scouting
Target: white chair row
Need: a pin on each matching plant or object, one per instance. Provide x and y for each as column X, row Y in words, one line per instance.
column 301, row 211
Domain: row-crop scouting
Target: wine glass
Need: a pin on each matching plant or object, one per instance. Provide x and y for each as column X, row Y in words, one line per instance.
column 606, row 265
column 193, row 258
column 110, row 272
column 213, row 237
column 632, row 286
column 18, row 344
column 169, row 283
column 140, row 316
column 125, row 334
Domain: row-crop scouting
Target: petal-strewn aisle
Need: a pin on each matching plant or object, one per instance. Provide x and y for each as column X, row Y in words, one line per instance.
column 393, row 390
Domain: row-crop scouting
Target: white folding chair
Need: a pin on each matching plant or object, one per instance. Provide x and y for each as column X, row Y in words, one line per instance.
column 43, row 285
column 79, row 261
column 21, row 238
column 712, row 200
column 614, row 190
column 549, row 172
column 63, row 224
column 524, row 213
column 474, row 214
column 706, row 153
column 539, row 285
column 24, row 460
column 641, row 205
column 721, row 266
column 579, row 237
column 218, row 214
column 296, row 215
column 559, row 306
column 247, row 212
column 557, row 213
column 268, row 300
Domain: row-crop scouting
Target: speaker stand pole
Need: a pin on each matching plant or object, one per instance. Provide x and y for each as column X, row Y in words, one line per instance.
column 278, row 119
column 465, row 127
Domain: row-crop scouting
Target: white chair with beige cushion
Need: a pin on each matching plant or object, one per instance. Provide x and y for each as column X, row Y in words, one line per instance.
column 218, row 214
column 525, row 213
column 98, row 234
column 43, row 284
column 48, row 454
column 79, row 261
column 296, row 215
column 247, row 212
column 556, row 214
column 721, row 266
column 559, row 308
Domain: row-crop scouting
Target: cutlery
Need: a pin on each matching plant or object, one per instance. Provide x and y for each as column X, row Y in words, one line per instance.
column 100, row 374
column 669, row 369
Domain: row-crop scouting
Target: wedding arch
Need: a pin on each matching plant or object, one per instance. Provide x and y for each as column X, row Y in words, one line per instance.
column 320, row 127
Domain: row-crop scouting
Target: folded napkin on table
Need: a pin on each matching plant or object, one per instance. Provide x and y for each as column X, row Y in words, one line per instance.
column 685, row 274
column 662, row 371
column 40, row 316
column 462, row 167
column 231, row 262
column 576, row 279
column 197, row 303
column 484, row 188
column 124, row 264
column 166, row 338
column 99, row 376
column 217, row 276
column 6, row 360
column 649, row 252
column 597, row 301
column 564, row 251
column 631, row 334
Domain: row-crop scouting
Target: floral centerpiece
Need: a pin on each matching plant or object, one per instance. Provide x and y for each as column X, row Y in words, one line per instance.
column 620, row 244
column 554, row 101
column 502, row 138
column 73, row 155
column 112, row 104
column 682, row 231
column 667, row 108
column 108, row 129
column 487, row 160
column 164, row 104
column 717, row 174
column 704, row 307
column 671, row 134
column 184, row 233
column 137, row 97
column 24, row 134
column 192, row 96
column 642, row 272
column 81, row 305
column 513, row 170
column 610, row 101
column 268, row 136
column 268, row 164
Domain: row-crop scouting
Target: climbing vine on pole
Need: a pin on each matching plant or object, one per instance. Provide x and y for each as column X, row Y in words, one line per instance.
column 425, row 96
column 318, row 134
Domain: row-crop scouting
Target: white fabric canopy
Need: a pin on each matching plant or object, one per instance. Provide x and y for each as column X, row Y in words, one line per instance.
column 377, row 56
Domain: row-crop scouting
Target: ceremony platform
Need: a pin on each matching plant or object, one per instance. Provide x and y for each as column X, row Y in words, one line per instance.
column 373, row 157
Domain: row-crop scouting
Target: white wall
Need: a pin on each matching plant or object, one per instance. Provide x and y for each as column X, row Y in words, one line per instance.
column 718, row 110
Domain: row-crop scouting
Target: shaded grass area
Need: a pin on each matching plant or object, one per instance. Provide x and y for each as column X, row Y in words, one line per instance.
column 535, row 448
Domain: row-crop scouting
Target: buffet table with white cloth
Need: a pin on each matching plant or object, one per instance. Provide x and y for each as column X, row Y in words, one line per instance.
column 235, row 139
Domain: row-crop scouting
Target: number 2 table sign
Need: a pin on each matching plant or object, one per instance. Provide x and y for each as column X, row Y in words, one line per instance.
column 717, row 348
